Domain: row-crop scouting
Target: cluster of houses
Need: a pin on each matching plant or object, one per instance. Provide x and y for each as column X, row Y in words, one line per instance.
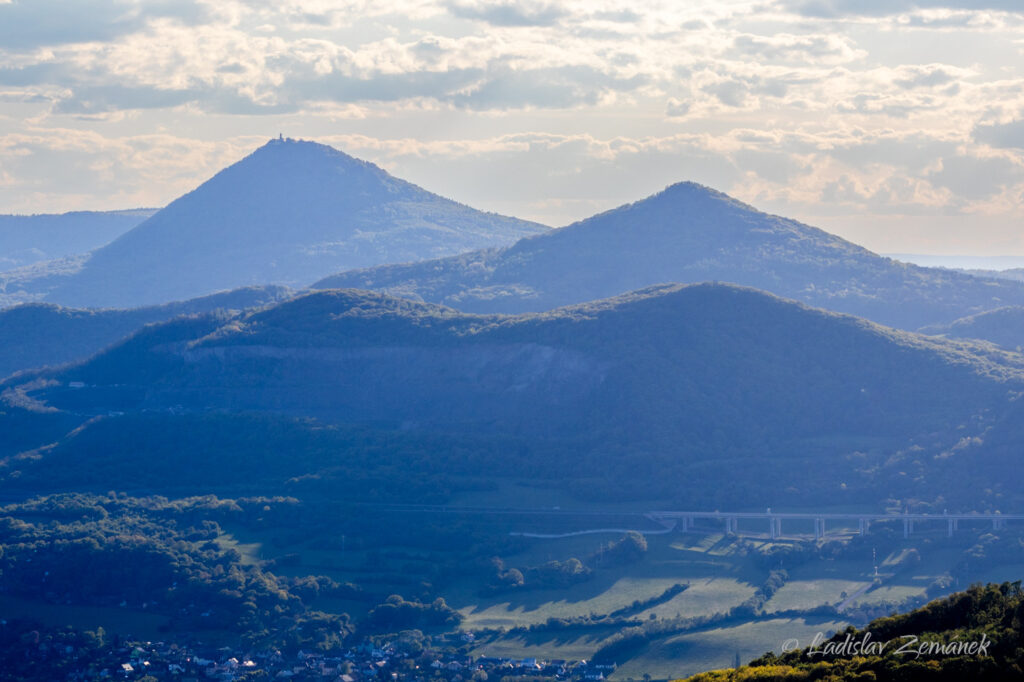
column 364, row 663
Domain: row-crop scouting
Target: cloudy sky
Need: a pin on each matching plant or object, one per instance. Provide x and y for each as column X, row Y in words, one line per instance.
column 898, row 124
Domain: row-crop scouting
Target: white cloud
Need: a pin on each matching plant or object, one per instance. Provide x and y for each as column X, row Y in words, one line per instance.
column 548, row 109
column 509, row 12
column 819, row 49
column 842, row 8
column 1008, row 135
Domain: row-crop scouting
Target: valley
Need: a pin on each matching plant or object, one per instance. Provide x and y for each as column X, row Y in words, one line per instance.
column 669, row 438
column 687, row 601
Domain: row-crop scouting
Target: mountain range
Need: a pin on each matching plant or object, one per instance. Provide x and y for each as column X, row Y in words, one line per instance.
column 721, row 393
column 229, row 436
column 44, row 334
column 289, row 213
column 1002, row 326
column 689, row 233
column 298, row 213
column 28, row 239
column 566, row 348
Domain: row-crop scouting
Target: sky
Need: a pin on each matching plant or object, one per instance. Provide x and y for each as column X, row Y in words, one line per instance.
column 897, row 124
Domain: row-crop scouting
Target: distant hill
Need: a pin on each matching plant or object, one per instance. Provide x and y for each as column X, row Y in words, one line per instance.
column 689, row 233
column 1013, row 274
column 717, row 393
column 289, row 213
column 40, row 334
column 28, row 239
column 1002, row 326
column 33, row 282
column 960, row 262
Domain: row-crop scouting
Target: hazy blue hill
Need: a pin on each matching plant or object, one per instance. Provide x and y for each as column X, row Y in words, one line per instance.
column 289, row 213
column 28, row 239
column 1015, row 274
column 32, row 282
column 689, row 233
column 723, row 392
column 1002, row 326
column 40, row 334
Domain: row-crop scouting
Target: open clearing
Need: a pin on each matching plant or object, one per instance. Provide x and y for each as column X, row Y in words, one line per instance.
column 696, row 652
column 122, row 621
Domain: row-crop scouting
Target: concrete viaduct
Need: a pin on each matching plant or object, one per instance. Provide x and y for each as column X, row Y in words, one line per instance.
column 685, row 520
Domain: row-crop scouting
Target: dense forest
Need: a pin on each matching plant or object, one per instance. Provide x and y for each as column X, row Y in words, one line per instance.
column 673, row 392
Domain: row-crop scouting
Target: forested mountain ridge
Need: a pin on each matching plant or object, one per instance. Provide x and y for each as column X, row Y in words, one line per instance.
column 1001, row 326
column 674, row 388
column 688, row 233
column 28, row 239
column 40, row 334
column 289, row 213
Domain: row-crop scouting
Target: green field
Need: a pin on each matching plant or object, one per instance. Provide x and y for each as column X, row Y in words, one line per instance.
column 720, row 573
column 714, row 648
column 717, row 582
column 1009, row 572
column 686, row 632
column 705, row 596
column 537, row 606
column 806, row 594
column 893, row 594
column 122, row 621
column 573, row 645
column 250, row 551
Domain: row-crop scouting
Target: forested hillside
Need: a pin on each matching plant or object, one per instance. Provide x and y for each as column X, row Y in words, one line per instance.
column 43, row 334
column 717, row 392
column 689, row 233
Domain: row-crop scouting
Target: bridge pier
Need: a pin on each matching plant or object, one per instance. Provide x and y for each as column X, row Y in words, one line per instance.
column 862, row 526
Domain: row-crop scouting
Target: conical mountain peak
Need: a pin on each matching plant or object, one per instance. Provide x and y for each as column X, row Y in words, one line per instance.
column 689, row 233
column 289, row 213
column 291, row 149
column 688, row 195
